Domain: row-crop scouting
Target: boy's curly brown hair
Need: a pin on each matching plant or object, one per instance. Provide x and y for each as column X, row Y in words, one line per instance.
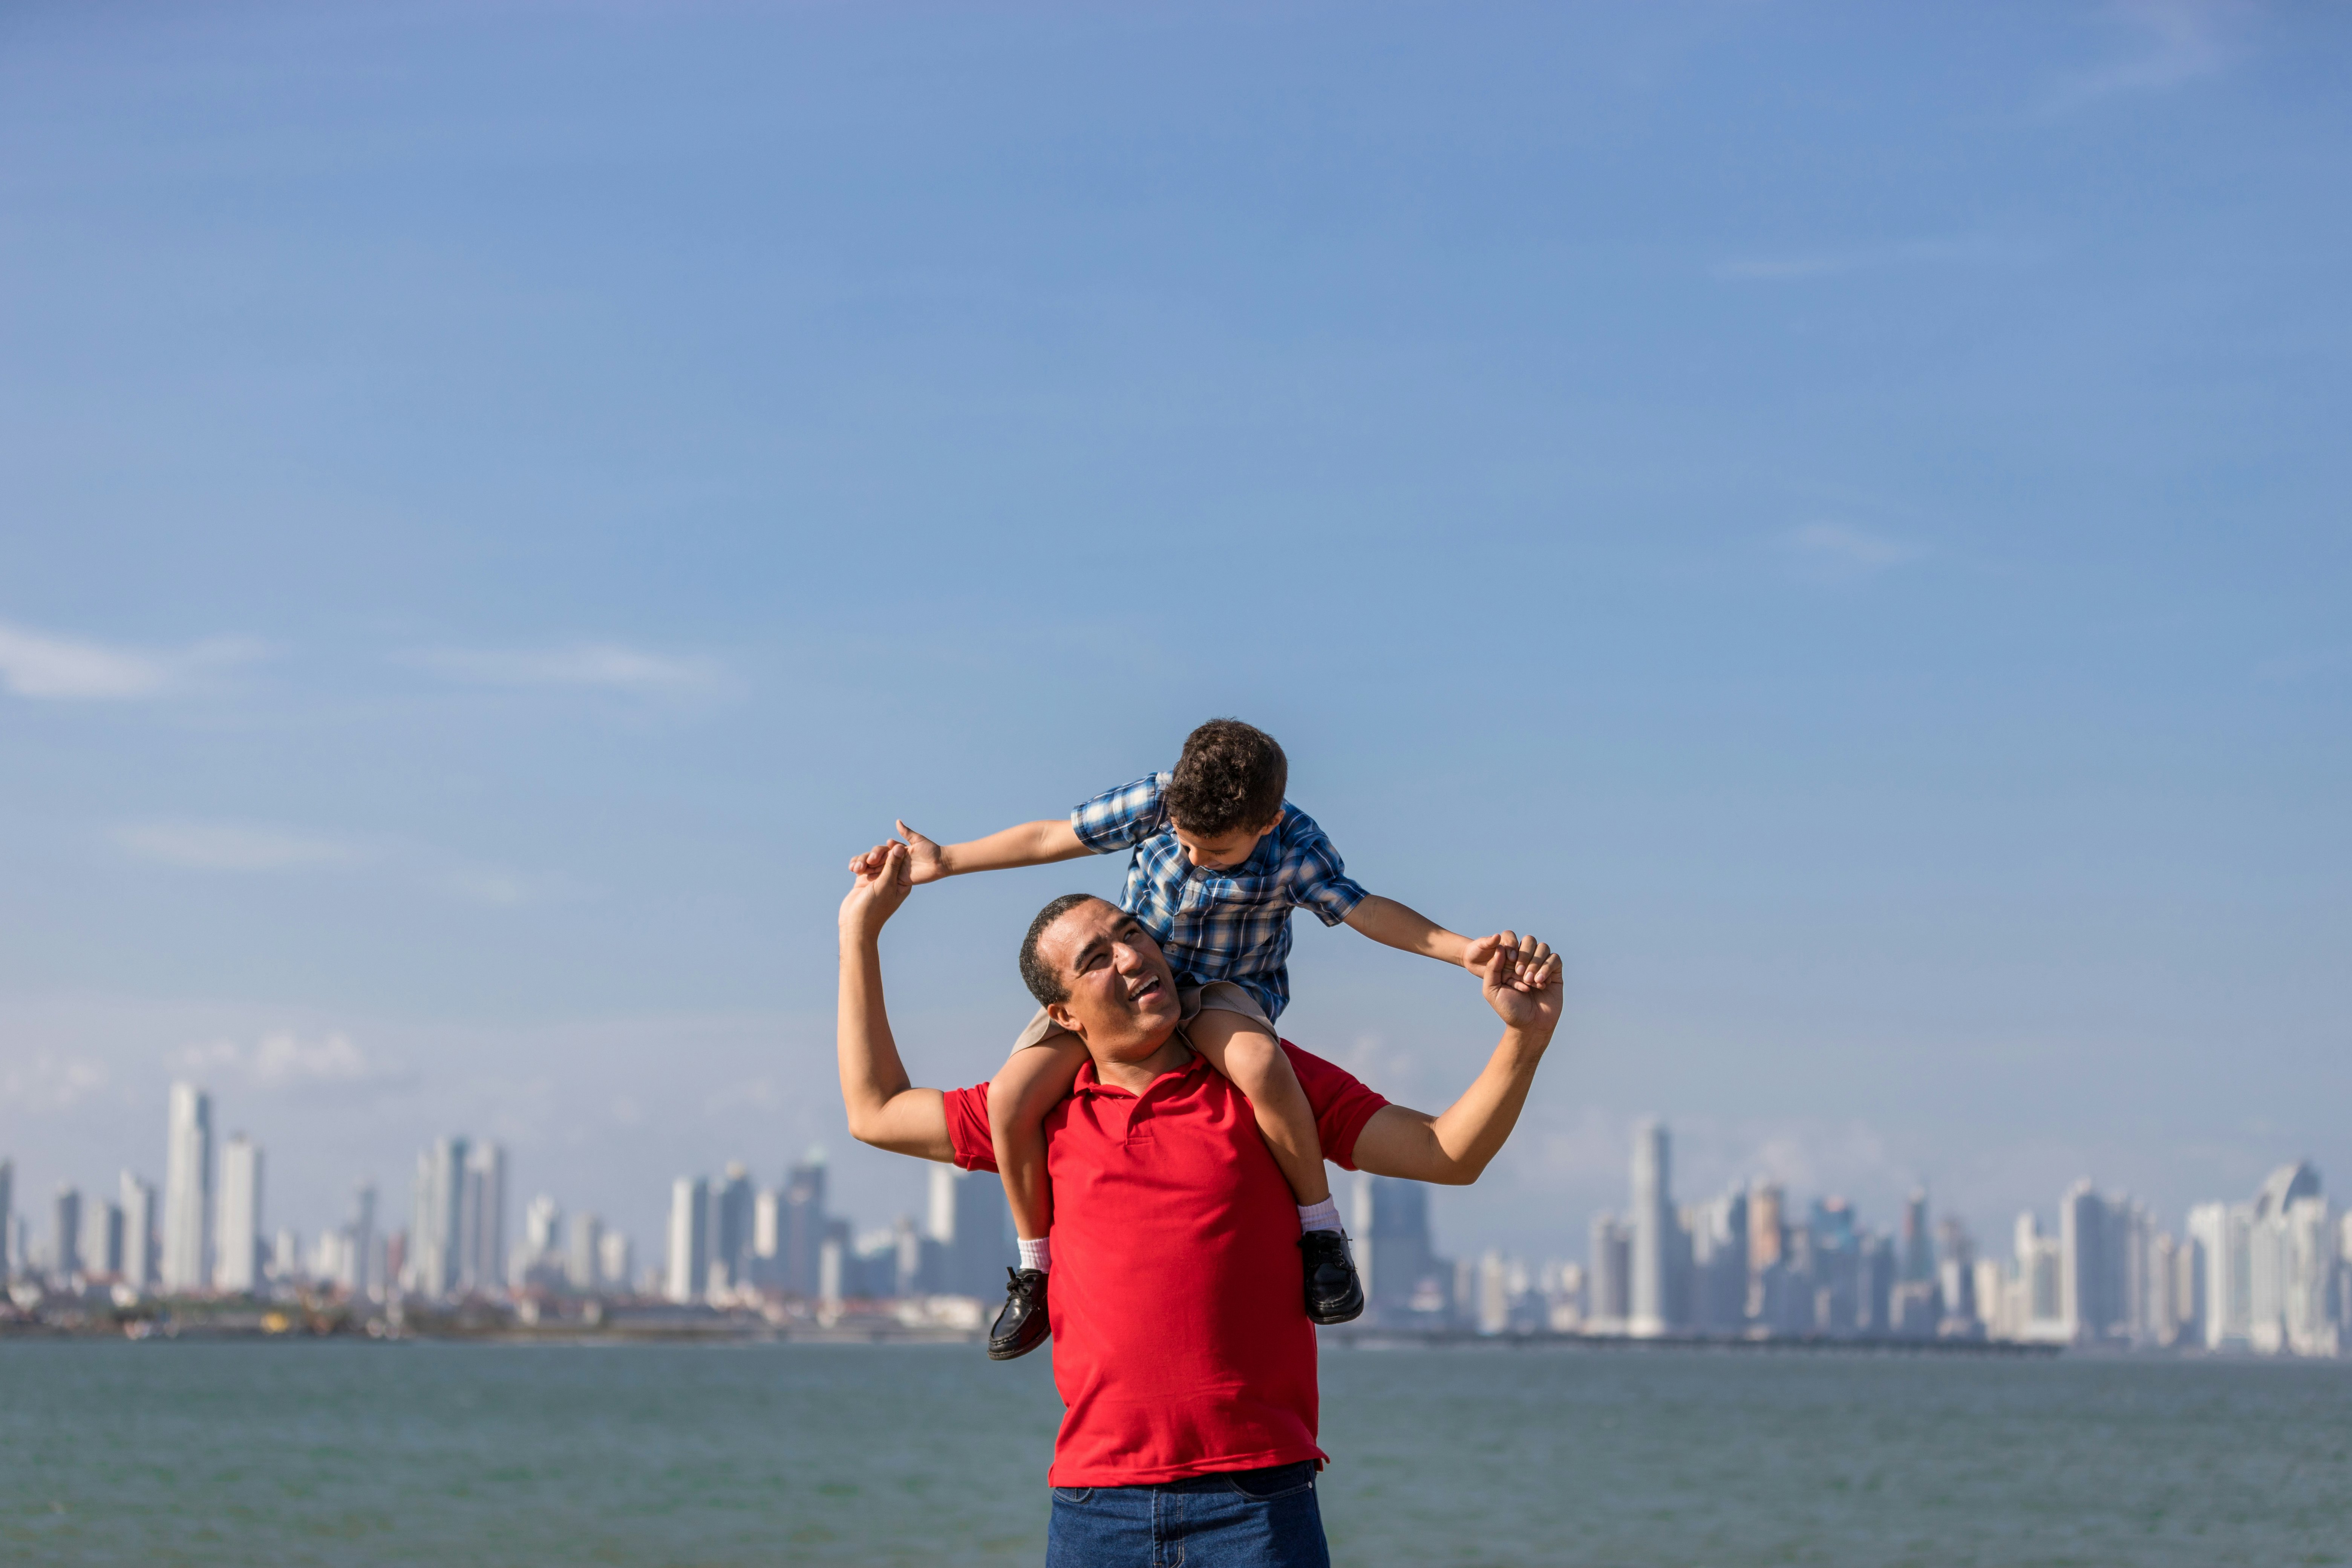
column 1231, row 776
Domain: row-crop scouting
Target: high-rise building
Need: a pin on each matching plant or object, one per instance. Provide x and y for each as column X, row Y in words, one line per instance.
column 1654, row 1232
column 482, row 1219
column 581, row 1260
column 437, row 1232
column 2224, row 1236
column 731, row 1228
column 1718, row 1234
column 65, row 1233
column 616, row 1261
column 690, row 1239
column 9, row 1261
column 139, row 1258
column 1609, row 1269
column 1918, row 1257
column 768, row 1236
column 236, row 1233
column 804, row 1224
column 964, row 1234
column 361, row 1269
column 101, row 1237
column 1767, row 1227
column 188, row 1191
column 1405, row 1282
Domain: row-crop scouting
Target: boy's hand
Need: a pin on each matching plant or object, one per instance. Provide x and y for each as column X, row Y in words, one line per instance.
column 1482, row 951
column 924, row 862
column 1523, row 983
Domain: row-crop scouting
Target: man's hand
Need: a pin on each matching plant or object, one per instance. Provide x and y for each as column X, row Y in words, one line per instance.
column 883, row 883
column 925, row 861
column 1480, row 954
column 1523, row 982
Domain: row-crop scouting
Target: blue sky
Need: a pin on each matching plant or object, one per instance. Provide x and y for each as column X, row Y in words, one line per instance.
column 1832, row 514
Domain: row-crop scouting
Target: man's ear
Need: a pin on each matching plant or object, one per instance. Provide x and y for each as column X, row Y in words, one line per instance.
column 1062, row 1016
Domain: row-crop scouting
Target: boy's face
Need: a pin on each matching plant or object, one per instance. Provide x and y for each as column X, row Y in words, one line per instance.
column 1231, row 849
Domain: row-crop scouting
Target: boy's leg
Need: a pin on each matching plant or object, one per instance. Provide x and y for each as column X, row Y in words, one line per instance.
column 1238, row 1039
column 1245, row 1051
column 1031, row 1083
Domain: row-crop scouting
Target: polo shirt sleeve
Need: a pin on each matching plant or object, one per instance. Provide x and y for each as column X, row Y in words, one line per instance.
column 1342, row 1105
column 1319, row 881
column 968, row 1134
column 1124, row 818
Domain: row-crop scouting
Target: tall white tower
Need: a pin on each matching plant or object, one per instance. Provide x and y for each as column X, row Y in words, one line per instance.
column 188, row 1191
column 237, row 1235
column 137, row 1233
column 689, row 1238
column 1654, row 1219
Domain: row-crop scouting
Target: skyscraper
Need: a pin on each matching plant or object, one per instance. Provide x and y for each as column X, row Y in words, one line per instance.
column 8, row 1260
column 966, row 1225
column 435, row 1235
column 65, row 1233
column 1405, row 1282
column 361, row 1277
column 137, row 1233
column 690, row 1239
column 188, row 1191
column 582, row 1262
column 804, row 1225
column 1609, row 1270
column 101, row 1237
column 1651, row 1307
column 238, row 1232
column 731, row 1228
column 1918, row 1257
column 482, row 1219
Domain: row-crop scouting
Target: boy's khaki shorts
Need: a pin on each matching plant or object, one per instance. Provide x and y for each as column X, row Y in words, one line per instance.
column 1216, row 997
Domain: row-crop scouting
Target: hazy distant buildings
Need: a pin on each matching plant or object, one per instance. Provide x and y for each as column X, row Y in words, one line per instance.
column 690, row 1239
column 9, row 1261
column 236, row 1235
column 731, row 1217
column 65, row 1233
column 139, row 1248
column 964, row 1232
column 1650, row 1310
column 1406, row 1284
column 188, row 1190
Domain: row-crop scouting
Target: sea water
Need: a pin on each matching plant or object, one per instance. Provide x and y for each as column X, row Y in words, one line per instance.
column 350, row 1453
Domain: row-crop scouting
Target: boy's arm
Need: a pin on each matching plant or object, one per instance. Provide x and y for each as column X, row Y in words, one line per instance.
column 1037, row 842
column 1409, row 930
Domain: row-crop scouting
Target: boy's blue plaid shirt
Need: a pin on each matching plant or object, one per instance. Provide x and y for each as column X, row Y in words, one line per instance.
column 1233, row 924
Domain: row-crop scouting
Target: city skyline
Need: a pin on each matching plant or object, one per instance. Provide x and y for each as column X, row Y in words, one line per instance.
column 442, row 693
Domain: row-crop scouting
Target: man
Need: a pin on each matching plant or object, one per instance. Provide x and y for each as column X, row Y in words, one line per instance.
column 1182, row 1349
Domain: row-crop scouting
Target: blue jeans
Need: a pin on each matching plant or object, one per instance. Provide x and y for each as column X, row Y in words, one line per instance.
column 1242, row 1518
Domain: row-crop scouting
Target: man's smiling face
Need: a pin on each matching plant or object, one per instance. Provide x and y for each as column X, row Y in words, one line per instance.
column 1122, row 994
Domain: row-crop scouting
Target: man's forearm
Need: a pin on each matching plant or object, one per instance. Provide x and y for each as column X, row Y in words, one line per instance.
column 1407, row 930
column 1037, row 842
column 884, row 1109
column 1453, row 1147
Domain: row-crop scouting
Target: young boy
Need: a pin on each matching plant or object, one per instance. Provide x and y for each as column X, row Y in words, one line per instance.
column 1219, row 861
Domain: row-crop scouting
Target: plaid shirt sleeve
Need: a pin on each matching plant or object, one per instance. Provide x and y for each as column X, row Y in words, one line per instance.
column 1123, row 817
column 1319, row 881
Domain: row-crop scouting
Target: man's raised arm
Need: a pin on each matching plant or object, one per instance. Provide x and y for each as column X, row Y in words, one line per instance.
column 1523, row 985
column 884, row 1109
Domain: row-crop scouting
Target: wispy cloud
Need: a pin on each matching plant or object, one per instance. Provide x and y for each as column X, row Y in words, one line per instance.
column 1833, row 552
column 607, row 667
column 239, row 847
column 50, row 1081
column 1834, row 261
column 47, row 668
column 234, row 847
column 2174, row 42
column 282, row 1060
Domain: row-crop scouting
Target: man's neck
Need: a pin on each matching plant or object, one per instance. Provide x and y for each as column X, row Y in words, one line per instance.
column 1135, row 1077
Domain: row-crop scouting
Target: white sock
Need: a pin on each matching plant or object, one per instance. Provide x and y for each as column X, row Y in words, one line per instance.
column 1037, row 1254
column 1323, row 1216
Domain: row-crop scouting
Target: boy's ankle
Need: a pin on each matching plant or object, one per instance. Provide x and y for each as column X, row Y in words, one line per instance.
column 1323, row 1216
column 1037, row 1254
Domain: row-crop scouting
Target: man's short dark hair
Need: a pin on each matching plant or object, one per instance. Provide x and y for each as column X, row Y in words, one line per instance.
column 1231, row 776
column 1043, row 982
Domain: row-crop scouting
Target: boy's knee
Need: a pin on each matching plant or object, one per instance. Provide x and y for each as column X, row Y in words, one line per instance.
column 1255, row 1059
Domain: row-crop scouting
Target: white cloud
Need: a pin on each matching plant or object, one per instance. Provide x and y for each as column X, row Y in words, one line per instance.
column 51, row 668
column 2178, row 41
column 1835, row 552
column 608, row 667
column 48, row 1081
column 231, row 847
column 282, row 1060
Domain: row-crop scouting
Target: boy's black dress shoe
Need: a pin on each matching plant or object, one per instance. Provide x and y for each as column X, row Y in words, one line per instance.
column 1334, row 1292
column 1021, row 1327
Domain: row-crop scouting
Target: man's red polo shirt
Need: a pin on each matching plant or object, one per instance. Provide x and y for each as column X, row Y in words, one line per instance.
column 1181, row 1341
